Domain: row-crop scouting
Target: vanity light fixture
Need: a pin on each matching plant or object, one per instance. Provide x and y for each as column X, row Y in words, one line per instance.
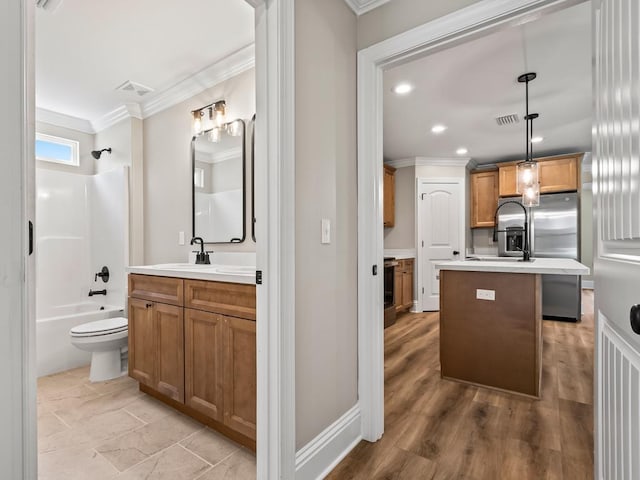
column 527, row 170
column 209, row 116
column 462, row 151
column 403, row 89
column 438, row 128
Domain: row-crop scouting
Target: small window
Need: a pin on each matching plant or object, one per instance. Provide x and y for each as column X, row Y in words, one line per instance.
column 198, row 177
column 56, row 150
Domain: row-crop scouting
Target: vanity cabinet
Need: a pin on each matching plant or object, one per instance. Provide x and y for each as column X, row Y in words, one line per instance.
column 484, row 198
column 389, row 196
column 198, row 355
column 403, row 286
column 555, row 174
column 156, row 341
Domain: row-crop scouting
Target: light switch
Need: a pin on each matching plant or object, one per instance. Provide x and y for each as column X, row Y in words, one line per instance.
column 485, row 294
column 180, row 238
column 326, row 231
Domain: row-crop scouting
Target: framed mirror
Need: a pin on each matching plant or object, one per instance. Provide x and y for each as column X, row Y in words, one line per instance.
column 218, row 173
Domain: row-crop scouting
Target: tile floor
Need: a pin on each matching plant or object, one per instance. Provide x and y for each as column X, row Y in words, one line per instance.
column 110, row 430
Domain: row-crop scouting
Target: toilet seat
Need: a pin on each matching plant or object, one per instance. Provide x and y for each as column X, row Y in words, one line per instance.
column 107, row 326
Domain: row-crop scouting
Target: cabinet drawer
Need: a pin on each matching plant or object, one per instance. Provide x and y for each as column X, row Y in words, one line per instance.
column 157, row 289
column 233, row 299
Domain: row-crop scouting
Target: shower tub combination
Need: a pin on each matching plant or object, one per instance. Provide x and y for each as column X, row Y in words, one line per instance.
column 55, row 353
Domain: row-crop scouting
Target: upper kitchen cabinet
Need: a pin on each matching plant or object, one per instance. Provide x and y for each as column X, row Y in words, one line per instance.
column 389, row 194
column 484, row 198
column 556, row 174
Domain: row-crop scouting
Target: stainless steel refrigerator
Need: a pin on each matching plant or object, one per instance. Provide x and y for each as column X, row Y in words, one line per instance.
column 555, row 228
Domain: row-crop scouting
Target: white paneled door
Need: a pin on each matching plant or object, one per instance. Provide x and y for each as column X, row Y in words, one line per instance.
column 617, row 219
column 440, row 222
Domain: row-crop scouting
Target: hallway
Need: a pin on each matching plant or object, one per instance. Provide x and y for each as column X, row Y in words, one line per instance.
column 439, row 429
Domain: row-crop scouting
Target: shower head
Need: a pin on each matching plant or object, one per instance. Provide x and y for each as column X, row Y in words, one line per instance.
column 97, row 153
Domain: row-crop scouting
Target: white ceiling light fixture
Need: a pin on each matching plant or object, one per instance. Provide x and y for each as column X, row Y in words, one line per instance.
column 537, row 139
column 403, row 89
column 438, row 128
column 462, row 151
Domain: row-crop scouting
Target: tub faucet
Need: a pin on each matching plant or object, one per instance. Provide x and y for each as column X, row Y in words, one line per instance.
column 97, row 292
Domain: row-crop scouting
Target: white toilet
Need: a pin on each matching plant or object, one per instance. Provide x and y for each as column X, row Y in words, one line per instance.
column 107, row 341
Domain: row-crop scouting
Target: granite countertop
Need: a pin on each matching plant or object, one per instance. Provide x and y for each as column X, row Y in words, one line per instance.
column 547, row 266
column 216, row 273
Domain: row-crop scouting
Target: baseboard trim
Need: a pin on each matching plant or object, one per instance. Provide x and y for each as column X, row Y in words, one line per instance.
column 321, row 455
column 414, row 307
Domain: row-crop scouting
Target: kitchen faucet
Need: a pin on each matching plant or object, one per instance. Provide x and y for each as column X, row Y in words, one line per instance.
column 202, row 257
column 526, row 254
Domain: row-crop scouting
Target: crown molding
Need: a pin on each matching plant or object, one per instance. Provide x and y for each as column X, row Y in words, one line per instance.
column 230, row 66
column 64, row 121
column 229, row 154
column 431, row 162
column 363, row 6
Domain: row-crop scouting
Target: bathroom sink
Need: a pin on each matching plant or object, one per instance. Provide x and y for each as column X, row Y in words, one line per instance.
column 182, row 266
column 236, row 270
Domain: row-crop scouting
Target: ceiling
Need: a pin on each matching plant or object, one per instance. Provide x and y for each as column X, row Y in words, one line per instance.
column 85, row 49
column 467, row 86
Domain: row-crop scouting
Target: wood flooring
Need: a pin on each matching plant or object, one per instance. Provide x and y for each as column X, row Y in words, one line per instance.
column 439, row 429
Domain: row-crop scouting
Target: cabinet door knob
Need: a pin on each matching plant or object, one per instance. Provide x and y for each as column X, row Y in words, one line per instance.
column 149, row 305
column 456, row 252
column 634, row 317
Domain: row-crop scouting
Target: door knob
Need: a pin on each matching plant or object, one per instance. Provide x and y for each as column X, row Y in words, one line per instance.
column 634, row 317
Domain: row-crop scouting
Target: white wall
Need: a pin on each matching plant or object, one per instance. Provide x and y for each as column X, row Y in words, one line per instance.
column 167, row 172
column 326, row 187
column 399, row 16
column 85, row 141
column 403, row 234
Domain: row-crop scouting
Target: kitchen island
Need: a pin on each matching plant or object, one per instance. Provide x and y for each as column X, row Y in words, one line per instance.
column 491, row 321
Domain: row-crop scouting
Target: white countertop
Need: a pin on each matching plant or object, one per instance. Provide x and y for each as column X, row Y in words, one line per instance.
column 547, row 266
column 216, row 273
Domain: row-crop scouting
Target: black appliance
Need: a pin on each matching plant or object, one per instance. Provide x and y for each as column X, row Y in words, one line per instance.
column 390, row 265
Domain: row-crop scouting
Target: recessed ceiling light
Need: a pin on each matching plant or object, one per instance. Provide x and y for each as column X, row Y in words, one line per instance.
column 462, row 151
column 403, row 88
column 438, row 128
column 536, row 139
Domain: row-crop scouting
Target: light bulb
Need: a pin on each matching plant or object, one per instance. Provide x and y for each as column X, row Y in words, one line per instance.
column 197, row 122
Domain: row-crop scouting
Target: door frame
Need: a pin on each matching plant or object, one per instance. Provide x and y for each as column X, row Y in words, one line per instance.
column 462, row 25
column 275, row 190
column 419, row 238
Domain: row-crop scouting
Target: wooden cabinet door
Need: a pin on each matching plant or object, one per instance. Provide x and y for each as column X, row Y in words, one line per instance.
column 240, row 376
column 142, row 349
column 559, row 175
column 204, row 345
column 484, row 198
column 407, row 285
column 169, row 339
column 397, row 286
column 389, row 196
column 508, row 180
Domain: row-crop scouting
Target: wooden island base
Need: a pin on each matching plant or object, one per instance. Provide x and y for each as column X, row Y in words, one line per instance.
column 493, row 343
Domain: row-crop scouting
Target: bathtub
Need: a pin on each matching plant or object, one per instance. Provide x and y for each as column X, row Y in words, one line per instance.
column 54, row 352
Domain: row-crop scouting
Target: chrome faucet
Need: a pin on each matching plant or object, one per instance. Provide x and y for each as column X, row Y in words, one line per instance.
column 526, row 254
column 97, row 292
column 202, row 257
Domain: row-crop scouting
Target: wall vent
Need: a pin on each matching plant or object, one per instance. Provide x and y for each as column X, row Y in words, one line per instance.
column 135, row 88
column 508, row 119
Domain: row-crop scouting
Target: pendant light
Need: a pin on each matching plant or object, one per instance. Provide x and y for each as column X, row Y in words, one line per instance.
column 527, row 171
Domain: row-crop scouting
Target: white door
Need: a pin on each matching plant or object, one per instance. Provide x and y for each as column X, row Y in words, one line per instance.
column 440, row 225
column 617, row 220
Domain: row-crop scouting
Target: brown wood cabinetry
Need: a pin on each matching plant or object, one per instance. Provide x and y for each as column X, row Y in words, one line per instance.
column 198, row 355
column 484, row 198
column 389, row 196
column 556, row 174
column 403, row 286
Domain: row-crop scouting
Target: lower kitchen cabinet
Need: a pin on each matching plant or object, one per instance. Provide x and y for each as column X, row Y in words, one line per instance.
column 156, row 346
column 403, row 285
